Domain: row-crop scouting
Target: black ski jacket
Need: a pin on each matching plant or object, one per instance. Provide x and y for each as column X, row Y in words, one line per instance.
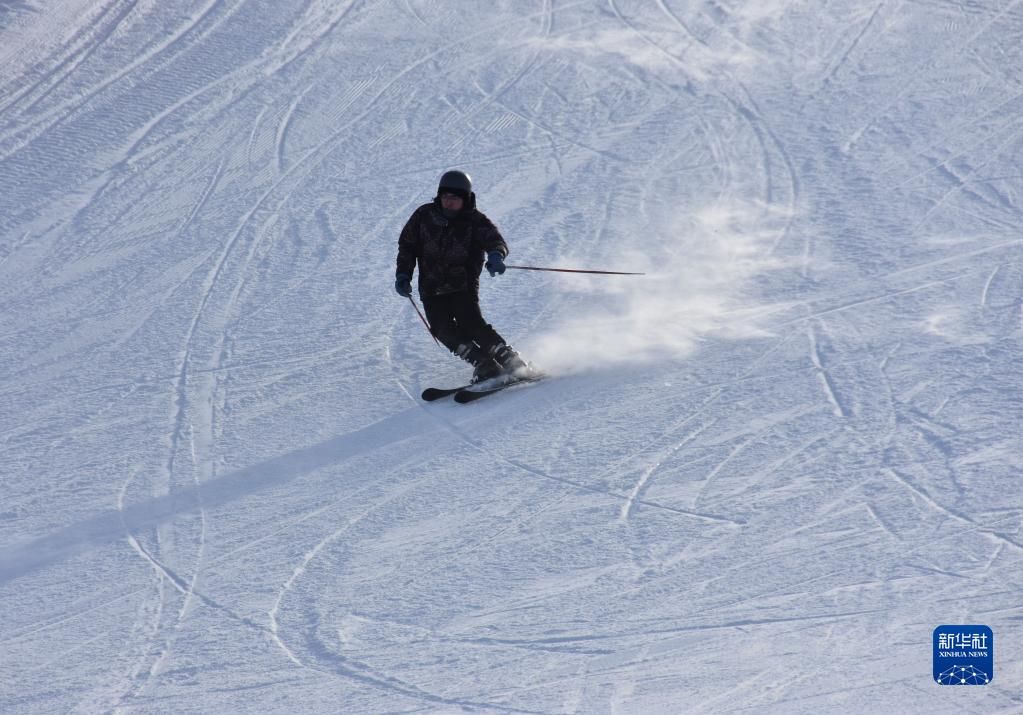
column 450, row 252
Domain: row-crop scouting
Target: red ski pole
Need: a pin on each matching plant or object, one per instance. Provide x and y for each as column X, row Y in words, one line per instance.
column 423, row 318
column 574, row 270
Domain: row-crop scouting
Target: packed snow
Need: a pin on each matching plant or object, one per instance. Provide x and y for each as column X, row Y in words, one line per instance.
column 757, row 479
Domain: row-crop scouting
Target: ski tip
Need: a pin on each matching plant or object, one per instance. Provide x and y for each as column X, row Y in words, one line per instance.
column 436, row 393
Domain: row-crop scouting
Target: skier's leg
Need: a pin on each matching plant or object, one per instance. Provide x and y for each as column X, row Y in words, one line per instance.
column 443, row 324
column 466, row 310
column 447, row 319
column 476, row 336
column 470, row 319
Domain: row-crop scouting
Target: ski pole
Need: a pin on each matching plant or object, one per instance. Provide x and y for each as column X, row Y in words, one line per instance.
column 574, row 270
column 423, row 318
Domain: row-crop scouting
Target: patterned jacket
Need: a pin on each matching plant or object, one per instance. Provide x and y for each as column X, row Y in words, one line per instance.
column 450, row 252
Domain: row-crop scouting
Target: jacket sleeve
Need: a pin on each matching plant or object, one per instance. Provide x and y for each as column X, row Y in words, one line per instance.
column 408, row 246
column 490, row 238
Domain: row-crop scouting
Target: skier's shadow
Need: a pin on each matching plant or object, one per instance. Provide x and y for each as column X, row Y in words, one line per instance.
column 109, row 526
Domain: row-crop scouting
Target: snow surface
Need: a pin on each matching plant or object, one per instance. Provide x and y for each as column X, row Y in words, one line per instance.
column 759, row 478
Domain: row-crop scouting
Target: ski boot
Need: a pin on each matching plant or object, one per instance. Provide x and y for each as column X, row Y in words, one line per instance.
column 486, row 370
column 510, row 361
column 484, row 366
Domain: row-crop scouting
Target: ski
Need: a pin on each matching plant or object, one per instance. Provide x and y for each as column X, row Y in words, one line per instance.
column 475, row 392
column 435, row 393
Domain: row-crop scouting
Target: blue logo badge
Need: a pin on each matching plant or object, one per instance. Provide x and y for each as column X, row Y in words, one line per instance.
column 964, row 655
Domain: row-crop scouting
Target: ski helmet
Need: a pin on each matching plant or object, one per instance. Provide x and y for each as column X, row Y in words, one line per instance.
column 456, row 182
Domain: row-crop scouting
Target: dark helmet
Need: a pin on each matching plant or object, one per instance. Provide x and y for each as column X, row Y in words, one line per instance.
column 457, row 182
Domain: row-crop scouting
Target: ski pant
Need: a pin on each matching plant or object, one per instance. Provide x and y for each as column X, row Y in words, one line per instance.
column 455, row 319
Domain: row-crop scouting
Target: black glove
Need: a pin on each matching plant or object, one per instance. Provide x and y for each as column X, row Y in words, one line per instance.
column 495, row 263
column 403, row 285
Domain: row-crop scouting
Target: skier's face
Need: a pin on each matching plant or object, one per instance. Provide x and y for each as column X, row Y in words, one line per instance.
column 451, row 202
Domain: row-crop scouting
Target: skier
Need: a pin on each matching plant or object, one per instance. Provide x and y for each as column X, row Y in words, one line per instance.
column 448, row 239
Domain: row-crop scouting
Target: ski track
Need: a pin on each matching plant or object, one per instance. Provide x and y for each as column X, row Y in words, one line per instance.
column 75, row 58
column 642, row 483
column 491, row 98
column 328, row 28
column 827, row 384
column 833, row 72
column 752, row 114
column 958, row 155
column 58, row 114
column 915, row 76
column 166, row 575
column 339, row 666
column 987, row 285
column 960, row 183
column 282, row 129
column 628, row 500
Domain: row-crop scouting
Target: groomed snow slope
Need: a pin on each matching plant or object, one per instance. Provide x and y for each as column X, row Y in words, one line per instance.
column 759, row 478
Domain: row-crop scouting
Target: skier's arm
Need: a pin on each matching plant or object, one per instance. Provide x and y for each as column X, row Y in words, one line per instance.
column 490, row 238
column 408, row 245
